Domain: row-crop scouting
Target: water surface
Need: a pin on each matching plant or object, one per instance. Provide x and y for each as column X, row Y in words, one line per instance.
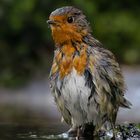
column 28, row 132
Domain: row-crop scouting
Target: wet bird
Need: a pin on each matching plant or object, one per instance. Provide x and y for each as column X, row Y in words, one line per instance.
column 85, row 79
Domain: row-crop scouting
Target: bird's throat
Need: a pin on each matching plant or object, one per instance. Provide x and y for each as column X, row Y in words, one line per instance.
column 65, row 35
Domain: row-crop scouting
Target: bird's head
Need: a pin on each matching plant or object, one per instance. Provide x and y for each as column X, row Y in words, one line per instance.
column 68, row 24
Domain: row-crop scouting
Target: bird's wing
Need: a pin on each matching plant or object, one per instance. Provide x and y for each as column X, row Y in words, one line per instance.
column 57, row 93
column 107, row 79
column 60, row 102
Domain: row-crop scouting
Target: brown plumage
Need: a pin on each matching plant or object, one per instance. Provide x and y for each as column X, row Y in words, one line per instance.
column 86, row 81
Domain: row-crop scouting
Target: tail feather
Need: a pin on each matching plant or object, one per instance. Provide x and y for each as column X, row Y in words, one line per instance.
column 125, row 103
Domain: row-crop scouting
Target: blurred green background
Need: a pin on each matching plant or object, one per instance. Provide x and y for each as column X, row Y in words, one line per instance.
column 26, row 46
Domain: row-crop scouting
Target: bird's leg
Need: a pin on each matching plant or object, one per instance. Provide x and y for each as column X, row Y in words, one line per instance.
column 113, row 125
column 78, row 133
column 114, row 132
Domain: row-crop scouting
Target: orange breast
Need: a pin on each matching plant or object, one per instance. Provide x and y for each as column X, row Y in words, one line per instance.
column 80, row 62
column 65, row 60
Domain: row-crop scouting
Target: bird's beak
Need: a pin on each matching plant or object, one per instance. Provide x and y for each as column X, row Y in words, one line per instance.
column 51, row 22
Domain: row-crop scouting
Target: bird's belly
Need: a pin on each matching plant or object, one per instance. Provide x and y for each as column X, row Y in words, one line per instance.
column 75, row 94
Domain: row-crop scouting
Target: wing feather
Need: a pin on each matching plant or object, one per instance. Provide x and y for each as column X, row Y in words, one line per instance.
column 107, row 80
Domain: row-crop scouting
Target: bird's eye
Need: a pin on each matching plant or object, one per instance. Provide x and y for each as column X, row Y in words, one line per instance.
column 70, row 19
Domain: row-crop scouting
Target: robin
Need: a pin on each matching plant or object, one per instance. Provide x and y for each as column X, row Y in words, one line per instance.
column 85, row 78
